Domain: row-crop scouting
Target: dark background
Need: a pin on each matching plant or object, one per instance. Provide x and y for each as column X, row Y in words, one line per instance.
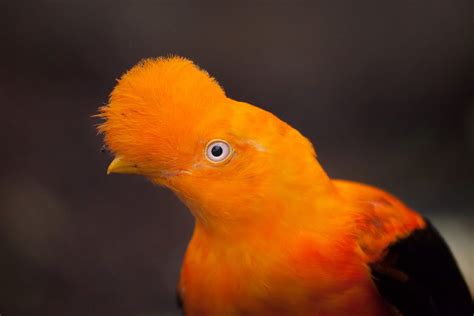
column 383, row 88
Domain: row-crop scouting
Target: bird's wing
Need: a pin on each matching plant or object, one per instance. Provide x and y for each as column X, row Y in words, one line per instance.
column 411, row 265
column 418, row 275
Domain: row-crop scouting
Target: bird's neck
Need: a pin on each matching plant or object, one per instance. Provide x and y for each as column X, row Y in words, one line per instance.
column 303, row 200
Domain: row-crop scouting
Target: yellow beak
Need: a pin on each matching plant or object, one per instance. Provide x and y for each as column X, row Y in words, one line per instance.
column 118, row 165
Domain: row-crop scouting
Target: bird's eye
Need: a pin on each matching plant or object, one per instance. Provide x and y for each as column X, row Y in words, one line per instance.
column 218, row 151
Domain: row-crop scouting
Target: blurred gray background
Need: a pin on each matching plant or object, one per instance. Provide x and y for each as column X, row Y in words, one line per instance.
column 383, row 88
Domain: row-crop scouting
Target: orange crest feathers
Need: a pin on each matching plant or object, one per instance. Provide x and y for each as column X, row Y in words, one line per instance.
column 166, row 79
column 148, row 109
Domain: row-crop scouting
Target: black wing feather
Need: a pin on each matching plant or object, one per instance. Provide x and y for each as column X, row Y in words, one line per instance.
column 419, row 276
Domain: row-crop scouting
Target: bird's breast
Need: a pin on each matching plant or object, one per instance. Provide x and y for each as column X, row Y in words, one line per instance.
column 299, row 281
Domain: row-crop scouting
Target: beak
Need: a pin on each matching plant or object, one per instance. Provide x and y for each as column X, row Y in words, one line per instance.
column 118, row 165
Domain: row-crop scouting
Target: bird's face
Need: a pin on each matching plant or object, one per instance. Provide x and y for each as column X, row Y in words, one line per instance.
column 169, row 121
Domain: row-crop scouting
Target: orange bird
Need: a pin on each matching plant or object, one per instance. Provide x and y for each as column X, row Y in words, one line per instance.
column 273, row 235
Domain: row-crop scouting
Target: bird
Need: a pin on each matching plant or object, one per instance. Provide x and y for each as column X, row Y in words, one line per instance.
column 273, row 233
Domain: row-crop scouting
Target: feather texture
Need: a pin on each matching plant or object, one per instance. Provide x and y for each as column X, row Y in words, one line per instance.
column 274, row 235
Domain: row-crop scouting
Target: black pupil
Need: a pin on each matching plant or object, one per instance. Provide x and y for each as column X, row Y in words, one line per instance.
column 216, row 150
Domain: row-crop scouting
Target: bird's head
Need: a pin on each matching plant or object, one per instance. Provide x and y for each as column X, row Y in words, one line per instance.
column 170, row 121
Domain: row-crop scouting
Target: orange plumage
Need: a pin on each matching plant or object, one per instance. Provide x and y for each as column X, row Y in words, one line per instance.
column 274, row 235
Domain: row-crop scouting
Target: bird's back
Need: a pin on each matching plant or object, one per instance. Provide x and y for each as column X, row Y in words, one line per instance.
column 381, row 219
column 411, row 265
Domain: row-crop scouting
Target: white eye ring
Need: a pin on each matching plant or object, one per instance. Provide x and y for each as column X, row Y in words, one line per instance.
column 218, row 150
